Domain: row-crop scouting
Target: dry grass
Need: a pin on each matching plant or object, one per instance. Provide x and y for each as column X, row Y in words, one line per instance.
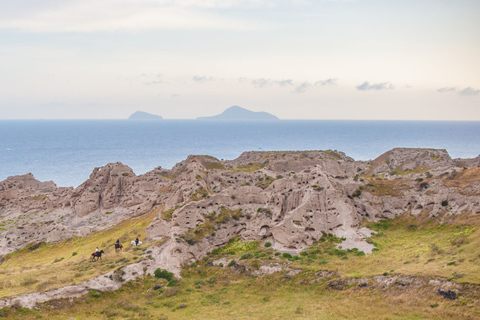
column 392, row 188
column 68, row 262
column 464, row 178
column 250, row 167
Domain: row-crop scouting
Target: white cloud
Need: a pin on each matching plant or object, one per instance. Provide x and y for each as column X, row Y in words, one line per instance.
column 129, row 15
column 447, row 89
column 469, row 91
column 201, row 79
column 262, row 82
column 109, row 15
column 328, row 82
column 302, row 87
column 375, row 86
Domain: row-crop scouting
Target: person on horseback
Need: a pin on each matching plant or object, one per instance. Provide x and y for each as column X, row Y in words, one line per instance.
column 96, row 250
column 137, row 241
column 117, row 244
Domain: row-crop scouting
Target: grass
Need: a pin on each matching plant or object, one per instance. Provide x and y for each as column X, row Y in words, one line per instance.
column 444, row 248
column 386, row 187
column 464, row 178
column 68, row 262
column 249, row 167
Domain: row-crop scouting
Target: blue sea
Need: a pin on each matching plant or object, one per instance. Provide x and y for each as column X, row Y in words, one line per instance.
column 66, row 151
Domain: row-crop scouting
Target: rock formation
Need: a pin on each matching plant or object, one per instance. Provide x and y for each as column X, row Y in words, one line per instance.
column 290, row 198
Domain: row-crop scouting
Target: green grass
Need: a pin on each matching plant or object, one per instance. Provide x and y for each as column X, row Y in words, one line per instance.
column 409, row 246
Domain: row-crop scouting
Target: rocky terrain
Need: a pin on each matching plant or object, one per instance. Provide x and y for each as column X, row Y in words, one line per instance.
column 288, row 198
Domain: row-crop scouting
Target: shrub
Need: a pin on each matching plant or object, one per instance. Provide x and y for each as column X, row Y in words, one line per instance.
column 444, row 203
column 246, row 256
column 287, row 255
column 268, row 244
column 172, row 283
column 94, row 294
column 198, row 283
column 357, row 193
column 232, row 263
column 164, row 274
column 277, row 253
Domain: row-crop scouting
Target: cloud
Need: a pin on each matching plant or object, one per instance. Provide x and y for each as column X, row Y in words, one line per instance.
column 127, row 15
column 447, row 89
column 302, row 87
column 375, row 86
column 328, row 82
column 469, row 91
column 201, row 79
column 130, row 15
column 299, row 87
column 263, row 83
column 157, row 79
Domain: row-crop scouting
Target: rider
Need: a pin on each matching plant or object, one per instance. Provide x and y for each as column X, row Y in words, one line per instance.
column 137, row 241
column 96, row 250
column 117, row 244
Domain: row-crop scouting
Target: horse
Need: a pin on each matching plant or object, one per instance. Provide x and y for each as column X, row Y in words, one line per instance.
column 134, row 244
column 97, row 255
column 118, row 246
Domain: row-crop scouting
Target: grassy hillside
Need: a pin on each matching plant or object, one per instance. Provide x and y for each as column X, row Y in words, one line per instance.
column 43, row 266
column 320, row 283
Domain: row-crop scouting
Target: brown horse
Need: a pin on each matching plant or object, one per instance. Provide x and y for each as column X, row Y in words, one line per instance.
column 118, row 246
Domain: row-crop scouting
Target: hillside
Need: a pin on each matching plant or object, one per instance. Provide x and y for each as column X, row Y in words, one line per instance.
column 239, row 113
column 269, row 234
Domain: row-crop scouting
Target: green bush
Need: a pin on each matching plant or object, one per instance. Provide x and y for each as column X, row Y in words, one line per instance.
column 232, row 263
column 164, row 274
column 172, row 283
column 444, row 203
column 287, row 255
column 246, row 256
column 94, row 294
column 268, row 244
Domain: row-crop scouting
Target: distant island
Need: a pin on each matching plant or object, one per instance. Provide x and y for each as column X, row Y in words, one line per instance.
column 239, row 113
column 140, row 115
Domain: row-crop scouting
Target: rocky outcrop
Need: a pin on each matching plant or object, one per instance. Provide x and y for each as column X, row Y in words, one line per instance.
column 291, row 198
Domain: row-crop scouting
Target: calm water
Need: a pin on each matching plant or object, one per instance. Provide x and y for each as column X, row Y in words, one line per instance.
column 66, row 151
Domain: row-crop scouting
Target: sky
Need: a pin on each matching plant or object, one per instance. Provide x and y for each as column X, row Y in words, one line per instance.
column 297, row 59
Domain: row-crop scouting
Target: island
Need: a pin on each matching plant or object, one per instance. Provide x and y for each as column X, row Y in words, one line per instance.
column 239, row 113
column 140, row 115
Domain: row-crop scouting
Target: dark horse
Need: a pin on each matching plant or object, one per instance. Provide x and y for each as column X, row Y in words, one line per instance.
column 118, row 246
column 97, row 255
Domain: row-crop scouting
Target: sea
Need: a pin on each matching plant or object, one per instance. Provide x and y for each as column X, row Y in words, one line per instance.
column 67, row 151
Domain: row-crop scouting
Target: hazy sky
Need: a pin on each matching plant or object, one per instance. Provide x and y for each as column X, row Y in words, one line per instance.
column 297, row 59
